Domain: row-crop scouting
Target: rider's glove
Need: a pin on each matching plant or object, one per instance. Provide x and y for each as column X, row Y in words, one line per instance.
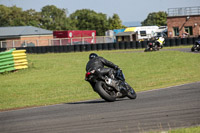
column 116, row 68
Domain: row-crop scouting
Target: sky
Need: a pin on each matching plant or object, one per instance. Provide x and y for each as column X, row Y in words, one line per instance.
column 128, row 10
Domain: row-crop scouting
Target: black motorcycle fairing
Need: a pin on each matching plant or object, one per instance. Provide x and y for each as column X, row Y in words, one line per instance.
column 119, row 75
column 109, row 89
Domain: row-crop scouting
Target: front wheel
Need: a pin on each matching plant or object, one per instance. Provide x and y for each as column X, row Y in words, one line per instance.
column 131, row 93
column 102, row 89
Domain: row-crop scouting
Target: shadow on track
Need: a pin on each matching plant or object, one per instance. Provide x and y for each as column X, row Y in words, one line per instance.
column 95, row 101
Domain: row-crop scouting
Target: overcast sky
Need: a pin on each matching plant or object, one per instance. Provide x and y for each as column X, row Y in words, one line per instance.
column 128, row 10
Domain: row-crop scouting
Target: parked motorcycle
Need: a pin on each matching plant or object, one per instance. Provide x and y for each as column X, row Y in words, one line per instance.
column 110, row 89
column 196, row 46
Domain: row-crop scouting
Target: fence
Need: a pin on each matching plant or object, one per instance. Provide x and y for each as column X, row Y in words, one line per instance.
column 9, row 44
column 13, row 60
column 169, row 42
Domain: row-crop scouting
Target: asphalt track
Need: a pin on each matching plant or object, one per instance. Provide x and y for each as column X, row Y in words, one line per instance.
column 161, row 110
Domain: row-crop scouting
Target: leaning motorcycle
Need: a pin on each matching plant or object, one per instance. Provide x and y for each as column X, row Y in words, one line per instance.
column 111, row 88
column 155, row 45
column 151, row 46
column 196, row 46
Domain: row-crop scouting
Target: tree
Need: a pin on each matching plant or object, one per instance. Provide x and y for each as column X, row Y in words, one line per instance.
column 14, row 16
column 86, row 19
column 10, row 16
column 115, row 22
column 53, row 18
column 4, row 15
column 32, row 18
column 155, row 18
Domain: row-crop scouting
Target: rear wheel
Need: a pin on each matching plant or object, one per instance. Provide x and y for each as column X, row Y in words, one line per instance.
column 192, row 49
column 131, row 93
column 102, row 89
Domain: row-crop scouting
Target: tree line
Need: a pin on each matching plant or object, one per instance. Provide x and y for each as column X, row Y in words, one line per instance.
column 52, row 18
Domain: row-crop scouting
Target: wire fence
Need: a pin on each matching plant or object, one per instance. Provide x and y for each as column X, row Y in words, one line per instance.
column 55, row 42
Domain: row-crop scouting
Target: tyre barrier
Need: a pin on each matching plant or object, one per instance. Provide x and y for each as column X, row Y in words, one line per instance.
column 133, row 45
column 93, row 47
column 184, row 41
column 99, row 46
column 88, row 47
column 121, row 45
column 138, row 45
column 77, row 48
column 127, row 45
column 82, row 48
column 110, row 46
column 116, row 46
column 144, row 44
column 178, row 41
column 167, row 42
column 104, row 46
column 2, row 49
column 194, row 39
column 190, row 40
column 172, row 42
column 13, row 60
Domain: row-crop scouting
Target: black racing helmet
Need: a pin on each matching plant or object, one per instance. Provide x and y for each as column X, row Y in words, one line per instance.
column 93, row 55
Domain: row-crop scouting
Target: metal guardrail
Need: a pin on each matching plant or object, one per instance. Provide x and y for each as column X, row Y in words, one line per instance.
column 184, row 11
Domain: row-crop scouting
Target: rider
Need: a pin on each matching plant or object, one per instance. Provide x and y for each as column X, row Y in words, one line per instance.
column 97, row 63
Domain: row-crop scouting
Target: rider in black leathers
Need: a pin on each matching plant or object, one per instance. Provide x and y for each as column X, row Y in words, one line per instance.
column 97, row 63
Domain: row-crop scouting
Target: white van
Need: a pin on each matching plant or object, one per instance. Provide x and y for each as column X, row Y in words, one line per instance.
column 143, row 32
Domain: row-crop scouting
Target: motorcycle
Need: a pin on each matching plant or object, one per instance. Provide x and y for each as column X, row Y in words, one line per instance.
column 111, row 88
column 151, row 46
column 156, row 45
column 196, row 46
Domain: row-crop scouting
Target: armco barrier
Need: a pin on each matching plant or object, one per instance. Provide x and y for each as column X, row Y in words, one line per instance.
column 13, row 60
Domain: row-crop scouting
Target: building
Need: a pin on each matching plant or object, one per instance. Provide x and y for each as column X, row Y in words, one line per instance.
column 21, row 36
column 183, row 22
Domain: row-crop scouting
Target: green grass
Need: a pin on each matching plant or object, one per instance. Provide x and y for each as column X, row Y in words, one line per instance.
column 186, row 130
column 59, row 78
column 181, row 130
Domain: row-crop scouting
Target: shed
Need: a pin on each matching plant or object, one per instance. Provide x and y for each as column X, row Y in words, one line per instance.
column 126, row 36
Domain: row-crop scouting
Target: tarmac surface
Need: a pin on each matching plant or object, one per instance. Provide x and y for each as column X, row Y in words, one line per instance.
column 180, row 49
column 159, row 110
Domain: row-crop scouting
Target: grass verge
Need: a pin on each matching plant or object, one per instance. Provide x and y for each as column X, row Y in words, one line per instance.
column 181, row 130
column 59, row 78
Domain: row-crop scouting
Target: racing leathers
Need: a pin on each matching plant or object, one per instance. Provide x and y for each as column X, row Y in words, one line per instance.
column 98, row 64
